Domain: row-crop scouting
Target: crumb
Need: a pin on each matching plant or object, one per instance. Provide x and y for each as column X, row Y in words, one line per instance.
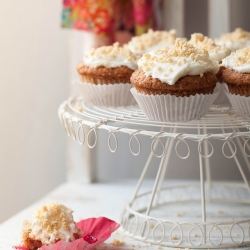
column 77, row 108
column 195, row 235
column 180, row 214
column 151, row 225
column 117, row 243
column 219, row 212
column 174, row 237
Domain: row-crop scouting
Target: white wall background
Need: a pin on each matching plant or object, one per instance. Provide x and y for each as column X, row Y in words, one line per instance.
column 37, row 62
column 34, row 79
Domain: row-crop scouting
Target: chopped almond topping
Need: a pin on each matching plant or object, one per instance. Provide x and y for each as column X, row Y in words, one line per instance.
column 112, row 51
column 203, row 42
column 238, row 34
column 152, row 38
column 242, row 56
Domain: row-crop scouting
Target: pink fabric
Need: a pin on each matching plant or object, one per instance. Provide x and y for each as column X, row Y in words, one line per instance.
column 106, row 18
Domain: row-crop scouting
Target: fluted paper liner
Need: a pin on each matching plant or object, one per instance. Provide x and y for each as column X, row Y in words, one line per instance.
column 117, row 94
column 222, row 97
column 240, row 104
column 169, row 108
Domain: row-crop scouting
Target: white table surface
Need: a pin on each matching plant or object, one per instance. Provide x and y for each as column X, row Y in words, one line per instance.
column 87, row 200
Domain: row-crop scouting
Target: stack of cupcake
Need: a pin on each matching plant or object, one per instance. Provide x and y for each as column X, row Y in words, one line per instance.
column 176, row 79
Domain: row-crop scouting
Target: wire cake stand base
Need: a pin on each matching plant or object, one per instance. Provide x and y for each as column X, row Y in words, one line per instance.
column 207, row 214
column 174, row 219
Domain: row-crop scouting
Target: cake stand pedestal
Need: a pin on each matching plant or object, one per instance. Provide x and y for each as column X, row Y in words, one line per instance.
column 149, row 215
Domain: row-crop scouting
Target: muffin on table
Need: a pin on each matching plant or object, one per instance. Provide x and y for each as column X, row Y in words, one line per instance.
column 235, row 40
column 217, row 53
column 175, row 84
column 236, row 75
column 151, row 40
column 50, row 224
column 105, row 76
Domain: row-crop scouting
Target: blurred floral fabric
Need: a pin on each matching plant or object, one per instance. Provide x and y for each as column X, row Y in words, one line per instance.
column 107, row 17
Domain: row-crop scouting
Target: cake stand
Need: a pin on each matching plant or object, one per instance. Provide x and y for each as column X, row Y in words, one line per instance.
column 207, row 214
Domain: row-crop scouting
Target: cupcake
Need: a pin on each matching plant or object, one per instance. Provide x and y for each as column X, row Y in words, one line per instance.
column 151, row 40
column 216, row 53
column 235, row 40
column 175, row 84
column 50, row 224
column 105, row 76
column 236, row 75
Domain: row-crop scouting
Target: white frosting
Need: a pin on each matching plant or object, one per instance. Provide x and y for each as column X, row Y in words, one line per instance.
column 170, row 64
column 234, row 45
column 151, row 40
column 235, row 40
column 238, row 61
column 110, row 57
column 52, row 223
column 151, row 48
column 218, row 55
column 215, row 52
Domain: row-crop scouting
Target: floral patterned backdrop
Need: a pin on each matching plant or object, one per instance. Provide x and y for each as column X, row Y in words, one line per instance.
column 106, row 18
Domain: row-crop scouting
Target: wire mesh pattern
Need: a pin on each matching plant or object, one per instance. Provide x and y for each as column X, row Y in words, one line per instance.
column 75, row 114
column 82, row 121
column 188, row 231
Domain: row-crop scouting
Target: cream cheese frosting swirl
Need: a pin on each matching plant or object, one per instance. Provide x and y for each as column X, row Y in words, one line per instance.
column 152, row 40
column 235, row 40
column 170, row 64
column 111, row 57
column 216, row 52
column 238, row 61
column 53, row 222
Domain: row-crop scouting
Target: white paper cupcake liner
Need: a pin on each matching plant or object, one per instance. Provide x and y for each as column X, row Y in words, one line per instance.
column 169, row 108
column 106, row 94
column 240, row 104
column 222, row 97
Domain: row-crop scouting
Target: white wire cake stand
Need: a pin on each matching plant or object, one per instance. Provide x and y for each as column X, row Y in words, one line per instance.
column 149, row 215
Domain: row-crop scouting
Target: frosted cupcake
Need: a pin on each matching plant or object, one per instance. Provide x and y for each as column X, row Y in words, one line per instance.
column 151, row 40
column 50, row 224
column 175, row 84
column 237, row 77
column 105, row 76
column 217, row 53
column 235, row 40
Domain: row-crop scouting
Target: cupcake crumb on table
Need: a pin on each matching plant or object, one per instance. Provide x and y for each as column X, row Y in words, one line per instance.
column 50, row 224
column 117, row 243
